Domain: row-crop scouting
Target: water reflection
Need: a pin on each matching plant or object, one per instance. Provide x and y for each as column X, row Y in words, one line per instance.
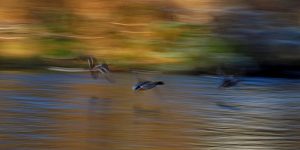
column 66, row 111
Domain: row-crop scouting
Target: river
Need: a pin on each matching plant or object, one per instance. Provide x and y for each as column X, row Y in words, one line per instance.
column 53, row 110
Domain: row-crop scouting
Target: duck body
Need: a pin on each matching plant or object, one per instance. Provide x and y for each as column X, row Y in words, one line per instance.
column 146, row 85
column 102, row 68
column 229, row 82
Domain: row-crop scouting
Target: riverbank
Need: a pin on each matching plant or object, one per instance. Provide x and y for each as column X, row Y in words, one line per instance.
column 41, row 64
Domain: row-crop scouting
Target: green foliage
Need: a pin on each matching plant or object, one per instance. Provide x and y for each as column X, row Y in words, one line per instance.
column 195, row 45
column 59, row 47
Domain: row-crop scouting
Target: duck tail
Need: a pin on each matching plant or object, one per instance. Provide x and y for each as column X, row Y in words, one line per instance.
column 159, row 83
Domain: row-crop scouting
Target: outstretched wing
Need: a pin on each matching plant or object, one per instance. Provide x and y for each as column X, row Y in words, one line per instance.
column 92, row 62
column 62, row 69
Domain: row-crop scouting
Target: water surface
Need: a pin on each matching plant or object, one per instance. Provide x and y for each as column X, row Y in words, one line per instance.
column 72, row 111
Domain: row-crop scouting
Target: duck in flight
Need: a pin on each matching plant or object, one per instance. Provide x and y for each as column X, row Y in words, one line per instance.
column 96, row 70
column 146, row 85
column 93, row 67
column 229, row 82
column 143, row 85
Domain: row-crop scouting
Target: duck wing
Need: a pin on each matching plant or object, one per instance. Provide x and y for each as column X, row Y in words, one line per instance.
column 62, row 69
column 105, row 67
column 91, row 62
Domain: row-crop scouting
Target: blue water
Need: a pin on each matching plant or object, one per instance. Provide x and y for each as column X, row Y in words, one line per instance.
column 73, row 111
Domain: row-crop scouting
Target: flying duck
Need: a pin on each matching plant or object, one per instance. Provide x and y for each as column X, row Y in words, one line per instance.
column 142, row 84
column 146, row 85
column 229, row 82
column 95, row 70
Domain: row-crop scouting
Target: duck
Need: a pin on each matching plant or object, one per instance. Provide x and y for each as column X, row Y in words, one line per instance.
column 229, row 82
column 95, row 70
column 146, row 85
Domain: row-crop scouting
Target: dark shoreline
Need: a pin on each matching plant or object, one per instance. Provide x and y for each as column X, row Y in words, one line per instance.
column 266, row 74
column 289, row 71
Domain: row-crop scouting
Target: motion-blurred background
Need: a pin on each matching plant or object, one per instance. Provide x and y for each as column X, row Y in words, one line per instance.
column 44, row 110
column 258, row 36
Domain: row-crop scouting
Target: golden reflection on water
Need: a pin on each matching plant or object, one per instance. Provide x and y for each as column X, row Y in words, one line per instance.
column 65, row 111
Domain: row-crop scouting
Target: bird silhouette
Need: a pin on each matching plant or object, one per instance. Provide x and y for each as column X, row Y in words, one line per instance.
column 142, row 85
